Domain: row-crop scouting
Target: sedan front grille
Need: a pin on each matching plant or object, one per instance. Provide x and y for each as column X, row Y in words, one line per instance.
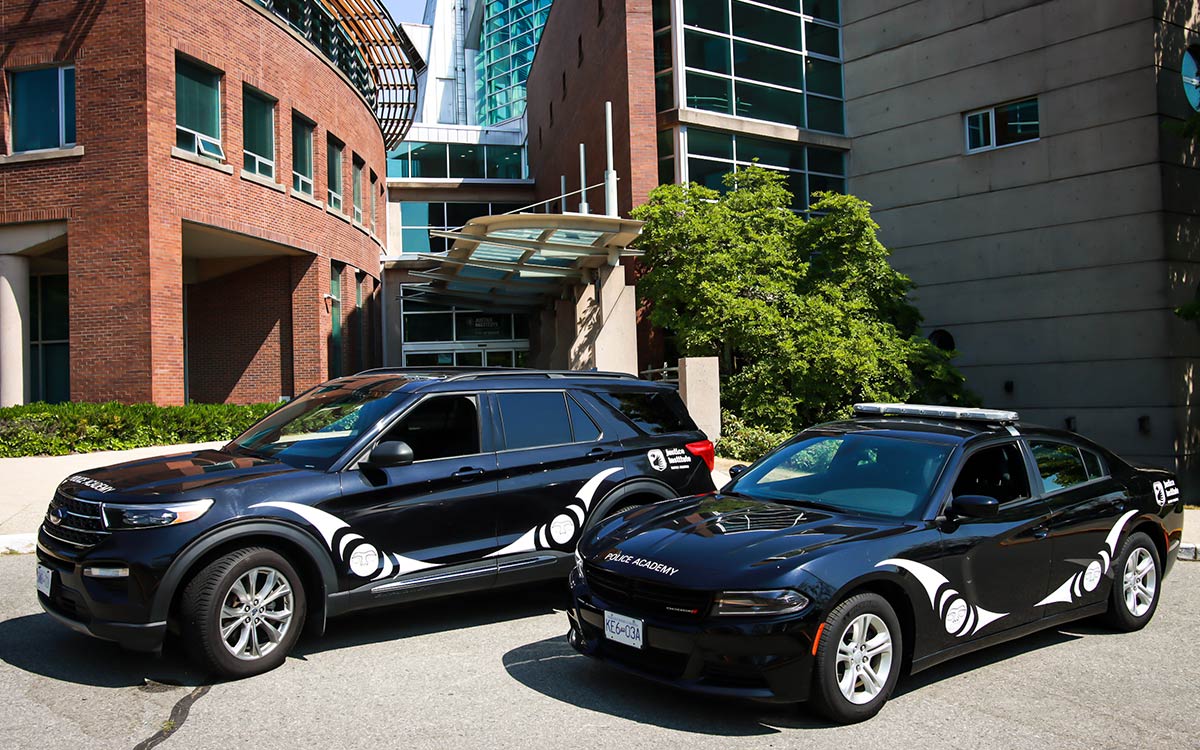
column 652, row 598
column 74, row 521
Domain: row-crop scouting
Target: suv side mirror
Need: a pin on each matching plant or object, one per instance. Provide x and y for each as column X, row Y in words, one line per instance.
column 975, row 506
column 737, row 469
column 388, row 454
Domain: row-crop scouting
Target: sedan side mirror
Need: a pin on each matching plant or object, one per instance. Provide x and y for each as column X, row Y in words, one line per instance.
column 388, row 454
column 737, row 469
column 975, row 506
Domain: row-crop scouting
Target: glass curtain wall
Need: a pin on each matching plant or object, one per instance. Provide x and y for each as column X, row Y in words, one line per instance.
column 438, row 336
column 772, row 60
column 418, row 217
column 709, row 154
column 415, row 160
column 511, row 30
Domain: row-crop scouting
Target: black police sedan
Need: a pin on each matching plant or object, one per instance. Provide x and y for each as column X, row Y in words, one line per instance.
column 382, row 487
column 866, row 548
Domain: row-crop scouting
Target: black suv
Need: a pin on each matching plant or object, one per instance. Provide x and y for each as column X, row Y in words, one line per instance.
column 382, row 487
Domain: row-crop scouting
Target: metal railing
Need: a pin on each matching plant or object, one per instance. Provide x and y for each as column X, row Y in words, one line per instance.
column 662, row 374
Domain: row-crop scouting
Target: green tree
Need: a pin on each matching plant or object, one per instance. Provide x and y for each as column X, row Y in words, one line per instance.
column 807, row 317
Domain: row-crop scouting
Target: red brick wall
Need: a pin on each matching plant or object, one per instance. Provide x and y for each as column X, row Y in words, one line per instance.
column 126, row 198
column 239, row 331
column 617, row 66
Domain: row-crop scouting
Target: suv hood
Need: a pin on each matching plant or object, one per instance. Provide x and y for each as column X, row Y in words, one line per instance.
column 156, row 479
column 726, row 533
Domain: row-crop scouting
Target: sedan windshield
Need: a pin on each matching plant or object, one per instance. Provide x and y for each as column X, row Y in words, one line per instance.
column 312, row 431
column 857, row 473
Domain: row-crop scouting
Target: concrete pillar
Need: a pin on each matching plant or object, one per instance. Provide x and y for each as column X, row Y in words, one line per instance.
column 700, row 389
column 615, row 339
column 14, row 330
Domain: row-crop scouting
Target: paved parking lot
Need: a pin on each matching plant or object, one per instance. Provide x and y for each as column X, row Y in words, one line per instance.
column 494, row 671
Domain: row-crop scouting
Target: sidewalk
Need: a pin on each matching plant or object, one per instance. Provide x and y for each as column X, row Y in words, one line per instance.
column 27, row 484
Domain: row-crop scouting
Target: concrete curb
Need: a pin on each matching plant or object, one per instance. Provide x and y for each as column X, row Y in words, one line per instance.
column 1188, row 552
column 17, row 544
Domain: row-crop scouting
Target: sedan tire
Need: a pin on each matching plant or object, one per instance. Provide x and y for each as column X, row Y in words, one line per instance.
column 858, row 659
column 1137, row 578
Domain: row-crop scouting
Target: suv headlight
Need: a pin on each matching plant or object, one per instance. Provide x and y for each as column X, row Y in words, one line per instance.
column 775, row 602
column 123, row 517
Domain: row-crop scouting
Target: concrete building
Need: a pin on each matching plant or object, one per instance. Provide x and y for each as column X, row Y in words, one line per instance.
column 192, row 198
column 1015, row 153
column 1021, row 173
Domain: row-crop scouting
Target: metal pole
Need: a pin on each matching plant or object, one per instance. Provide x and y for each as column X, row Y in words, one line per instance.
column 583, row 204
column 610, row 174
column 564, row 194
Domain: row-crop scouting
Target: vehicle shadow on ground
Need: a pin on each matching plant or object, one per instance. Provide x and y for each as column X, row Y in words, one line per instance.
column 39, row 645
column 553, row 668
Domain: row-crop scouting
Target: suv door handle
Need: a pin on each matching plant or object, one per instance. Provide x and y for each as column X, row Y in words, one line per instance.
column 599, row 452
column 1041, row 532
column 467, row 472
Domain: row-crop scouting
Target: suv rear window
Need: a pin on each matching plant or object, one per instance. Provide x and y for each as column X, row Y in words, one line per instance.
column 654, row 413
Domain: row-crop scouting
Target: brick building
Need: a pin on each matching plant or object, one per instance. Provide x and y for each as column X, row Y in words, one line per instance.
column 192, row 200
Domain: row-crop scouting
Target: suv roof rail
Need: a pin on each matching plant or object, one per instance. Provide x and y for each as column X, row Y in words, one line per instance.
column 967, row 414
column 475, row 373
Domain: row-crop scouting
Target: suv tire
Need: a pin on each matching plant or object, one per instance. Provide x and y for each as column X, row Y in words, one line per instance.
column 242, row 613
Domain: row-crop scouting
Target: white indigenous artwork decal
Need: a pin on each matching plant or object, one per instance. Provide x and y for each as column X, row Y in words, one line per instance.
column 959, row 617
column 565, row 526
column 1089, row 578
column 365, row 561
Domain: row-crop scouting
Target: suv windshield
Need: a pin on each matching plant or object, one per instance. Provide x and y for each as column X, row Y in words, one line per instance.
column 312, row 431
column 858, row 473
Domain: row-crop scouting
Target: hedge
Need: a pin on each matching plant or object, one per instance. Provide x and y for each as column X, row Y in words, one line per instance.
column 744, row 442
column 58, row 429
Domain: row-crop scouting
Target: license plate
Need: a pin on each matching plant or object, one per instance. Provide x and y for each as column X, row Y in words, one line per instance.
column 44, row 578
column 623, row 629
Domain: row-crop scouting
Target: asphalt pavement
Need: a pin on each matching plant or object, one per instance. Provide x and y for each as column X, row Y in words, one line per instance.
column 494, row 671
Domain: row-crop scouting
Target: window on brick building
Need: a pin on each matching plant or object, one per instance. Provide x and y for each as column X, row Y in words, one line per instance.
column 360, row 340
column 302, row 154
column 198, row 109
column 333, row 170
column 374, row 190
column 43, row 108
column 258, row 133
column 335, row 312
column 356, row 186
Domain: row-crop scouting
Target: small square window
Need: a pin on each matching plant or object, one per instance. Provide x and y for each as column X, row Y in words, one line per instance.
column 979, row 130
column 43, row 108
column 1002, row 125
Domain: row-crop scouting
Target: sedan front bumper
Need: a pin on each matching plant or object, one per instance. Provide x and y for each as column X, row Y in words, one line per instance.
column 760, row 658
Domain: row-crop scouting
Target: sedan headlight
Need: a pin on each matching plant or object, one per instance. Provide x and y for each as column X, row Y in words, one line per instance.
column 776, row 602
column 123, row 517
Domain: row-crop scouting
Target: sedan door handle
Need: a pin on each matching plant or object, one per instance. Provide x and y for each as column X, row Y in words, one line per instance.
column 1040, row 532
column 467, row 472
column 599, row 452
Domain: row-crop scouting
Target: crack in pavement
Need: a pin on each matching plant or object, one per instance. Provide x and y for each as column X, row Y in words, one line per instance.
column 179, row 714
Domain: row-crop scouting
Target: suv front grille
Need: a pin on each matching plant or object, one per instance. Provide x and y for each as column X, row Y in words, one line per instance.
column 79, row 521
column 654, row 598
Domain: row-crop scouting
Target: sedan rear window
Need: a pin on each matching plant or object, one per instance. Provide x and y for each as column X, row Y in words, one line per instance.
column 854, row 473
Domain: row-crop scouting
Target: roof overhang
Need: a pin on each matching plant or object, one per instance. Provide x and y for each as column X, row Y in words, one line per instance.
column 391, row 58
column 522, row 261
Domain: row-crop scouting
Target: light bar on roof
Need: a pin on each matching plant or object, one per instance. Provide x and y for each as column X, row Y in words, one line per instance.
column 938, row 412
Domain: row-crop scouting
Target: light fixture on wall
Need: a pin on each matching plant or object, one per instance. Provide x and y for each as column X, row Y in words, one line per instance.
column 1071, row 423
column 1144, row 424
column 1009, row 386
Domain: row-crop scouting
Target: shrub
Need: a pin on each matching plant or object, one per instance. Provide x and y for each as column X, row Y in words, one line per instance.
column 59, row 429
column 744, row 442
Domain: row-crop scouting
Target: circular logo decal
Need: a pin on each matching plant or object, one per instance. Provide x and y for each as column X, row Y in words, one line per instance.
column 658, row 461
column 1191, row 76
column 1091, row 576
column 562, row 528
column 364, row 560
column 956, row 615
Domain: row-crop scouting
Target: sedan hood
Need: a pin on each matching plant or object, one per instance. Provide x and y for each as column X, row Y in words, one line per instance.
column 717, row 533
column 158, row 478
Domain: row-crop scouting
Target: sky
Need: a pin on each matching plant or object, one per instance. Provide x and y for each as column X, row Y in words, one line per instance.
column 406, row 11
